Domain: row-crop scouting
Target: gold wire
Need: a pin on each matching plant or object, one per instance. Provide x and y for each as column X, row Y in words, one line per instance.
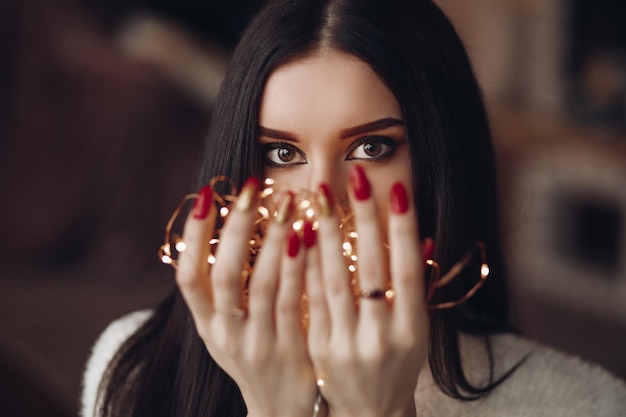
column 305, row 201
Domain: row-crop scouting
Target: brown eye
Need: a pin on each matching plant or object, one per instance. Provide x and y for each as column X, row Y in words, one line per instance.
column 285, row 155
column 281, row 155
column 372, row 148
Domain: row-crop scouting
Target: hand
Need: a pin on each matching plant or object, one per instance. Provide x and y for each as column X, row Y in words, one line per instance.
column 264, row 351
column 369, row 356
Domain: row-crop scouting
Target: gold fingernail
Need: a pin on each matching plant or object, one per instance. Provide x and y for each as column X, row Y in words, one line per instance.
column 325, row 200
column 248, row 195
column 285, row 208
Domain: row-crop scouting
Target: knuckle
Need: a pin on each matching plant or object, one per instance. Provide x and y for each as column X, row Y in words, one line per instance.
column 288, row 307
column 405, row 278
column 221, row 279
column 187, row 278
column 316, row 301
column 262, row 288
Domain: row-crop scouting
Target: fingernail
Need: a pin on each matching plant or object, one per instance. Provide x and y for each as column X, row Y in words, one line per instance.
column 325, row 200
column 293, row 243
column 285, row 209
column 248, row 194
column 399, row 199
column 427, row 248
column 360, row 184
column 202, row 206
column 309, row 235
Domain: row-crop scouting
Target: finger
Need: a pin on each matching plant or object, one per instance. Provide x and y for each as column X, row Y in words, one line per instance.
column 335, row 274
column 264, row 282
column 233, row 250
column 318, row 331
column 193, row 268
column 288, row 317
column 406, row 257
column 372, row 263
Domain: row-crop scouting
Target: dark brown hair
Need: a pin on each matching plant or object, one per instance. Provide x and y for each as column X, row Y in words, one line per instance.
column 164, row 369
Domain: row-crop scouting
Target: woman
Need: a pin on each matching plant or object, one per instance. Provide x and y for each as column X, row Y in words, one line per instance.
column 371, row 104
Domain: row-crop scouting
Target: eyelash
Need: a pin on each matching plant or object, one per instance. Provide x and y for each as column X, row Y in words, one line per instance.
column 381, row 140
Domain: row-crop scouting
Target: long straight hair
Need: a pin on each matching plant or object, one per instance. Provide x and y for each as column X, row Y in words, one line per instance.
column 164, row 369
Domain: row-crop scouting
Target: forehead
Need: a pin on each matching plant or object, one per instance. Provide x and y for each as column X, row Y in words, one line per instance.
column 326, row 86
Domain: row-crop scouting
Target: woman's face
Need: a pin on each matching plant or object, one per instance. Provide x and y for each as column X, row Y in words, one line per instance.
column 325, row 112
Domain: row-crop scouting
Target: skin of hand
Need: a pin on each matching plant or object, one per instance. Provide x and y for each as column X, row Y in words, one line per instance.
column 265, row 352
column 369, row 356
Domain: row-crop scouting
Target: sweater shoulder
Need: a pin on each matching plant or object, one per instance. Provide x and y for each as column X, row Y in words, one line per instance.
column 546, row 382
column 103, row 351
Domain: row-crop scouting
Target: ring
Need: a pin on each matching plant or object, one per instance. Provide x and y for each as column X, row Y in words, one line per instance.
column 376, row 293
column 237, row 313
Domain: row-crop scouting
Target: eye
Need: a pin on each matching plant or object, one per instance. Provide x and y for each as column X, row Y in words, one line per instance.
column 281, row 154
column 372, row 148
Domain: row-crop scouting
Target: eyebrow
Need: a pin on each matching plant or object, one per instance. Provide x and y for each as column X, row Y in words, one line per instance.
column 345, row 133
column 371, row 127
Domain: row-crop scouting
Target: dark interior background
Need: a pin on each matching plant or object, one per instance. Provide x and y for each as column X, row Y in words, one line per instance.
column 98, row 145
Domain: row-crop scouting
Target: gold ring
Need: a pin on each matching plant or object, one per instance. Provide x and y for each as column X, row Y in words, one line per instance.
column 376, row 293
column 237, row 313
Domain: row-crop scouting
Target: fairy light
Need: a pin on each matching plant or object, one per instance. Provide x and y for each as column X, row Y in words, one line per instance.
column 304, row 211
column 181, row 246
column 264, row 212
column 298, row 225
column 347, row 247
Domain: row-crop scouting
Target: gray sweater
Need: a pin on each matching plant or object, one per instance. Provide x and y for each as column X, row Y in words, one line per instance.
column 548, row 383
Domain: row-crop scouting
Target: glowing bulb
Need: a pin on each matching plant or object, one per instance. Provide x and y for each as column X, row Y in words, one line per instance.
column 181, row 246
column 320, row 382
column 224, row 211
column 354, row 258
column 269, row 181
column 211, row 259
column 353, row 235
column 351, row 268
column 264, row 212
column 166, row 259
column 214, row 241
column 297, row 226
column 484, row 270
column 347, row 246
column 310, row 213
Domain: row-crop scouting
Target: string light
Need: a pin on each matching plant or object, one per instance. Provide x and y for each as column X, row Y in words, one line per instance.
column 305, row 210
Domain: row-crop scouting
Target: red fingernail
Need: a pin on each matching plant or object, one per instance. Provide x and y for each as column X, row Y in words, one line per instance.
column 202, row 206
column 293, row 244
column 428, row 248
column 309, row 235
column 360, row 184
column 399, row 199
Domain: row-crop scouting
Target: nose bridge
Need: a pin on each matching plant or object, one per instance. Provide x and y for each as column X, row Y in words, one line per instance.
column 331, row 171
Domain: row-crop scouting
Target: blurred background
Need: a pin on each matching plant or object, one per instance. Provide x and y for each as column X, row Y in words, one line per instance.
column 104, row 108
